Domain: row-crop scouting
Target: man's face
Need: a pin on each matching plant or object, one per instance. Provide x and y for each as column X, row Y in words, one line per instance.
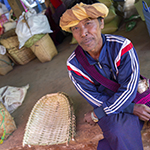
column 88, row 34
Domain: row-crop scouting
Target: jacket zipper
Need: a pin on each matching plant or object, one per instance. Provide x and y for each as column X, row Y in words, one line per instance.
column 102, row 69
column 99, row 65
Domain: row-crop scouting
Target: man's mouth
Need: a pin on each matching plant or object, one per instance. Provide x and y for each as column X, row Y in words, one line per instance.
column 86, row 41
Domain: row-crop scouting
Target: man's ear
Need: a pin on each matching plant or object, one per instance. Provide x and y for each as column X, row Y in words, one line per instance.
column 102, row 23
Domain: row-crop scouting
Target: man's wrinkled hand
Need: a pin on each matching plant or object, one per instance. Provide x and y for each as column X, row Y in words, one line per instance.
column 88, row 119
column 142, row 111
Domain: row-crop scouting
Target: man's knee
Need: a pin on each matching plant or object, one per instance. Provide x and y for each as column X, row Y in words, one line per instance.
column 115, row 130
column 117, row 125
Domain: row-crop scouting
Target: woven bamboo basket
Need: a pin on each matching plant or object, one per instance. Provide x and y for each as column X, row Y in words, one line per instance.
column 52, row 121
column 5, row 65
column 10, row 42
column 7, row 124
column 21, row 56
column 44, row 49
column 9, row 39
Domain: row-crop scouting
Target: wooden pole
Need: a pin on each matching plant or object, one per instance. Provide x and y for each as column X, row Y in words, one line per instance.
column 17, row 7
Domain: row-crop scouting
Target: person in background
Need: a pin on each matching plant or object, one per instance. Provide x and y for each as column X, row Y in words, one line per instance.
column 57, row 35
column 115, row 58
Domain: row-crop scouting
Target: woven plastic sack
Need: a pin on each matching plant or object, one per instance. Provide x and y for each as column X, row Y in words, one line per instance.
column 51, row 121
column 12, row 97
column 44, row 49
column 5, row 65
column 7, row 124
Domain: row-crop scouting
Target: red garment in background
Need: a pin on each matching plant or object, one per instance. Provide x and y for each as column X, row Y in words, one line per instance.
column 56, row 3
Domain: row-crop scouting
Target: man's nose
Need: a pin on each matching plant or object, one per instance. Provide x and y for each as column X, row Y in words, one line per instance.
column 83, row 32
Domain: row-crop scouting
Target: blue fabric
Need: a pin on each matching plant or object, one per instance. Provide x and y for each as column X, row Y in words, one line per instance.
column 6, row 4
column 101, row 112
column 119, row 62
column 121, row 132
column 39, row 6
column 103, row 145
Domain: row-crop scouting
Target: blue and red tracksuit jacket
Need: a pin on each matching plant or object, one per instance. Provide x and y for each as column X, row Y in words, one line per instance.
column 119, row 62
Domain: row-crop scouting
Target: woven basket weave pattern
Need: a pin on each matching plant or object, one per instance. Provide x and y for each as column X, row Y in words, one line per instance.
column 44, row 49
column 4, row 67
column 10, row 42
column 51, row 121
column 21, row 56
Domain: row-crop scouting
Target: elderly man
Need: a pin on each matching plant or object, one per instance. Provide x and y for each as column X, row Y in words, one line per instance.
column 114, row 58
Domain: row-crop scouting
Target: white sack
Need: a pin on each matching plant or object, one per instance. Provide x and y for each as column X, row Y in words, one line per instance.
column 38, row 24
column 3, row 9
column 2, row 50
column 12, row 97
column 9, row 25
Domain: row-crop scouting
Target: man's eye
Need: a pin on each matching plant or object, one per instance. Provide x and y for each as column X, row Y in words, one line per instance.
column 88, row 23
column 74, row 28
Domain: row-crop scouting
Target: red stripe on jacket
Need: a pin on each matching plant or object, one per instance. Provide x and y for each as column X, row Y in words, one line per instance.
column 124, row 50
column 79, row 74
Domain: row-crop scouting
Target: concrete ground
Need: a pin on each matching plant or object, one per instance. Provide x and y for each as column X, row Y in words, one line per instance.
column 52, row 77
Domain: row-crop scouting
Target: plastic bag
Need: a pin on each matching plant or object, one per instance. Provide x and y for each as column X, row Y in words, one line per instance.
column 3, row 9
column 12, row 97
column 31, row 25
column 2, row 50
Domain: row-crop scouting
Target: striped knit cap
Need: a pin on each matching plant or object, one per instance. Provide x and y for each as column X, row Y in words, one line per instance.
column 73, row 16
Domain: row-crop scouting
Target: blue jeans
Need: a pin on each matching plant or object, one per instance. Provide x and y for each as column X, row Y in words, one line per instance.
column 121, row 132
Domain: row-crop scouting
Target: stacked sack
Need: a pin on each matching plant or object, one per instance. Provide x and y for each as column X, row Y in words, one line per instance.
column 112, row 21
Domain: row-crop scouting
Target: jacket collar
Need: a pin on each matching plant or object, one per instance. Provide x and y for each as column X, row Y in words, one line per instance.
column 91, row 60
